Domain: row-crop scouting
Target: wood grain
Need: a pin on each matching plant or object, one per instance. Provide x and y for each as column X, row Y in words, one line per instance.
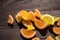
column 13, row 6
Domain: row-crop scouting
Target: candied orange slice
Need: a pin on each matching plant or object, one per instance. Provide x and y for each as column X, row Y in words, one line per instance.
column 25, row 15
column 36, row 38
column 50, row 38
column 20, row 13
column 58, row 23
column 27, row 33
column 10, row 19
column 26, row 23
column 40, row 24
column 48, row 19
column 31, row 16
column 37, row 13
column 18, row 18
column 57, row 37
column 56, row 30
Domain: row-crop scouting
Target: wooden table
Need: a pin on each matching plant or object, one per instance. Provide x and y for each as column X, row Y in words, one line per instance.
column 13, row 6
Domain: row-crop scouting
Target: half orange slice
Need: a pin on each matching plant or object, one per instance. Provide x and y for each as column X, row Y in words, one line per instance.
column 20, row 12
column 56, row 30
column 40, row 24
column 25, row 15
column 27, row 33
column 37, row 13
column 18, row 16
column 26, row 23
column 58, row 23
column 50, row 38
column 31, row 16
column 36, row 38
column 10, row 19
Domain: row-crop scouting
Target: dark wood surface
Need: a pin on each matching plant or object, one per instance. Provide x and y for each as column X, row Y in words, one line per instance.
column 13, row 6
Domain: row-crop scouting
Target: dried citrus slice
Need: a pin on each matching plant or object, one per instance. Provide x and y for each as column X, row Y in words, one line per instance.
column 20, row 13
column 10, row 19
column 48, row 19
column 18, row 18
column 36, row 38
column 56, row 18
column 27, row 33
column 37, row 13
column 25, row 15
column 31, row 16
column 56, row 30
column 40, row 24
column 50, row 38
column 26, row 23
column 58, row 23
column 57, row 37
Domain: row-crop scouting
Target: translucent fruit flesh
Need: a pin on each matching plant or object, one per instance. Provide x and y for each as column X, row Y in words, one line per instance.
column 40, row 24
column 58, row 23
column 10, row 19
column 26, row 23
column 18, row 18
column 56, row 18
column 27, row 33
column 31, row 16
column 50, row 38
column 25, row 15
column 36, row 38
column 56, row 30
column 37, row 13
column 57, row 37
column 48, row 19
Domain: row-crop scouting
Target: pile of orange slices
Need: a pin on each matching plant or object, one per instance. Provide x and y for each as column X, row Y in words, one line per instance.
column 29, row 18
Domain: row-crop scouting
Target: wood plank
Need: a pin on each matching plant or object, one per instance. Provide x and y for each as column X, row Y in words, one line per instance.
column 56, row 13
column 6, row 31
column 9, row 38
column 12, row 7
column 14, row 38
column 8, row 27
column 10, row 31
column 9, row 34
column 32, row 4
